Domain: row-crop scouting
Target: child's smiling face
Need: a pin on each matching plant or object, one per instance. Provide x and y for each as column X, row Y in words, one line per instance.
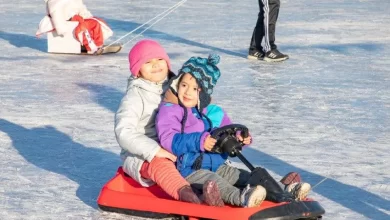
column 155, row 70
column 188, row 91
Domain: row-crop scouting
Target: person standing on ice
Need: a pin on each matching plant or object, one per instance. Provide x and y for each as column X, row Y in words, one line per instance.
column 265, row 30
column 91, row 32
column 144, row 159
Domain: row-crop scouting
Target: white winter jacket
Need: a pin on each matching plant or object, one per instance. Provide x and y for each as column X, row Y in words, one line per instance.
column 135, row 125
column 62, row 10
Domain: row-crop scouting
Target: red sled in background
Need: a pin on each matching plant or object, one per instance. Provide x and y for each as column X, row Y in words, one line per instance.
column 67, row 43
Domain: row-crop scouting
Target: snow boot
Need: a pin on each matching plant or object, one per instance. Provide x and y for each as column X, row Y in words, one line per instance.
column 291, row 177
column 211, row 194
column 187, row 195
column 252, row 196
column 299, row 190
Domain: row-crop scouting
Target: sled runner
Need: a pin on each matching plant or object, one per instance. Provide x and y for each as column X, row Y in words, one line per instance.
column 114, row 48
column 123, row 194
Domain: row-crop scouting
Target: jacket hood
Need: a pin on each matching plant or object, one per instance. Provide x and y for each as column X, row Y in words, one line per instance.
column 170, row 97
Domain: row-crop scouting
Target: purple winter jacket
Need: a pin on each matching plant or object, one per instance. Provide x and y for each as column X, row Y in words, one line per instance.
column 187, row 146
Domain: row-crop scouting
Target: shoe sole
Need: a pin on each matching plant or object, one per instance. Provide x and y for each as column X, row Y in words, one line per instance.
column 266, row 59
column 114, row 48
column 291, row 177
column 212, row 195
column 257, row 197
column 254, row 58
column 274, row 60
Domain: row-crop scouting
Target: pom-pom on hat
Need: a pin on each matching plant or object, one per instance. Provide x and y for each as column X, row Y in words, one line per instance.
column 204, row 70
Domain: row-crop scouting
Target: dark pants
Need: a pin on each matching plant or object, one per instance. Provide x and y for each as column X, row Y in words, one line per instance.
column 265, row 26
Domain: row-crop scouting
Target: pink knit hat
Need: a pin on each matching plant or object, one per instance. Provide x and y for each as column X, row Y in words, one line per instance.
column 142, row 52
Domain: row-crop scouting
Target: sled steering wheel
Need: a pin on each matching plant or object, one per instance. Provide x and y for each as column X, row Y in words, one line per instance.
column 226, row 139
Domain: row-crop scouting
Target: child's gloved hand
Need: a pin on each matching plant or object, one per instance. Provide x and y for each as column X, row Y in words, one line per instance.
column 209, row 143
column 246, row 140
column 162, row 153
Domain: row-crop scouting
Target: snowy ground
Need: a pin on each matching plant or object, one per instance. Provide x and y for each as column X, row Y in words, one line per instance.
column 324, row 113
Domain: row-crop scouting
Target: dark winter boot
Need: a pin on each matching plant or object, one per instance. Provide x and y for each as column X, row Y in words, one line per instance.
column 275, row 193
column 187, row 195
column 211, row 194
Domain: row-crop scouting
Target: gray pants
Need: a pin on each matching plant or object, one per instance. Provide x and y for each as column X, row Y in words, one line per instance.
column 229, row 180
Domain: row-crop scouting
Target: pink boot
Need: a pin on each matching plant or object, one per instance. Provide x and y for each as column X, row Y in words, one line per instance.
column 211, row 194
column 187, row 195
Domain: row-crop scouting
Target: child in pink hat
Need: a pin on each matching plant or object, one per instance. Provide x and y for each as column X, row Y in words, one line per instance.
column 143, row 157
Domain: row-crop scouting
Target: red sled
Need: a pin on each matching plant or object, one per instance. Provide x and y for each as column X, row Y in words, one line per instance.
column 124, row 195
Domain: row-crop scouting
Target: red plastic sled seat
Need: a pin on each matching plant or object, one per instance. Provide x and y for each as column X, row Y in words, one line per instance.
column 123, row 194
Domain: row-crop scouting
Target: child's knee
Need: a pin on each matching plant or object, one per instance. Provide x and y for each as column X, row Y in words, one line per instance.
column 209, row 175
column 157, row 164
column 160, row 160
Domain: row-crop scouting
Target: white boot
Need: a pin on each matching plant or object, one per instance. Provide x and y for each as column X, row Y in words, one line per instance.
column 299, row 190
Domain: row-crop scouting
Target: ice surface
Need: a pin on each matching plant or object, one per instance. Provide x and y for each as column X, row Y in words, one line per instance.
column 325, row 112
